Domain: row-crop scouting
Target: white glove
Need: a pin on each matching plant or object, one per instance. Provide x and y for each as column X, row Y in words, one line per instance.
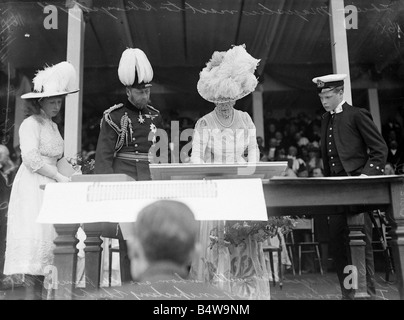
column 61, row 178
column 51, row 172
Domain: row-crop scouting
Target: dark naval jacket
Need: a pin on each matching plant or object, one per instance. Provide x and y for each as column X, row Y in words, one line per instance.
column 126, row 140
column 358, row 142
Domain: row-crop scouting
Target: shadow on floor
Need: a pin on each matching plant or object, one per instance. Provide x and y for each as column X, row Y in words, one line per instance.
column 314, row 286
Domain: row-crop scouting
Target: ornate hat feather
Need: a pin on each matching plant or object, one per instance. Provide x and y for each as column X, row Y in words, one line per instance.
column 56, row 80
column 228, row 76
column 134, row 68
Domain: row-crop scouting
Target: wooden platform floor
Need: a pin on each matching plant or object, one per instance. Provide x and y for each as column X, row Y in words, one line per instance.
column 309, row 286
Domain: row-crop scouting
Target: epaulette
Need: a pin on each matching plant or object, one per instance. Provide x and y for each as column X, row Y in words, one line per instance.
column 114, row 107
column 106, row 116
column 153, row 108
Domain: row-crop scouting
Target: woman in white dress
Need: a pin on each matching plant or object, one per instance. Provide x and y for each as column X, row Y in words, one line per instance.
column 227, row 135
column 30, row 245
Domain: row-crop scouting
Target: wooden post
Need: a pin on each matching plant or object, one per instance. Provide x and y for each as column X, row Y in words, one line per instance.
column 65, row 260
column 396, row 218
column 357, row 246
column 374, row 107
column 258, row 113
column 93, row 254
column 339, row 44
column 73, row 111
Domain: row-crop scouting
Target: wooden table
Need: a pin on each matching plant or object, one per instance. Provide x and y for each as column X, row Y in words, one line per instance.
column 283, row 196
column 294, row 196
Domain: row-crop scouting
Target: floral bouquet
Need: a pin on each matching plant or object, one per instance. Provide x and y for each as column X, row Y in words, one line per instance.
column 236, row 232
column 82, row 163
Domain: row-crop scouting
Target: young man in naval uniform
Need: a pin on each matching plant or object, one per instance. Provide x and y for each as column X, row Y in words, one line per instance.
column 351, row 145
column 128, row 133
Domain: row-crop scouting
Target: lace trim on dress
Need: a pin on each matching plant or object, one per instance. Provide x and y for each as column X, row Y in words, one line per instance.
column 33, row 160
column 33, row 256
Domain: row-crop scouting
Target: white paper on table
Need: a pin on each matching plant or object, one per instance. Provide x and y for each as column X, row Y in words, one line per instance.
column 86, row 202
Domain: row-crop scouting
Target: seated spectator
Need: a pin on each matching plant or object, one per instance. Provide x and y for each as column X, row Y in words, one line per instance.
column 301, row 140
column 270, row 133
column 279, row 139
column 317, row 172
column 7, row 167
column 389, row 169
column 314, row 128
column 304, row 153
column 302, row 171
column 280, row 154
column 395, row 155
column 272, row 151
column 314, row 158
column 263, row 151
column 297, row 164
column 392, row 129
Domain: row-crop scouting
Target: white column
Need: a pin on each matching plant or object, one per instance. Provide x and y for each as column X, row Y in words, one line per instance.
column 258, row 113
column 73, row 111
column 374, row 107
column 339, row 44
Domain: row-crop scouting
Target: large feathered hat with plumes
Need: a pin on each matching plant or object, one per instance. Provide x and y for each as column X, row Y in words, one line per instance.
column 56, row 80
column 228, row 76
column 135, row 69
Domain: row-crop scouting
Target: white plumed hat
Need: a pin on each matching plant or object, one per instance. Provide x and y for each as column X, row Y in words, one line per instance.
column 228, row 76
column 56, row 80
column 135, row 69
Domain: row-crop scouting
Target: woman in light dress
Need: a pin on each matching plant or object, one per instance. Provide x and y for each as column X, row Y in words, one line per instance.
column 29, row 249
column 227, row 135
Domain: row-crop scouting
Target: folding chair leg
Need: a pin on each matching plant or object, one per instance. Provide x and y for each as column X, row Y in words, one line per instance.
column 271, row 262
column 319, row 260
column 291, row 260
column 109, row 263
column 280, row 269
column 300, row 260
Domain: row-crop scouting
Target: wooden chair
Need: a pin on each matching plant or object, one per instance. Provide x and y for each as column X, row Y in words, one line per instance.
column 382, row 241
column 290, row 247
column 111, row 251
column 270, row 249
column 308, row 247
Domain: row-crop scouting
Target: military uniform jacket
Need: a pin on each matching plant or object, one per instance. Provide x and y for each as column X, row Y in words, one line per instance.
column 124, row 128
column 357, row 140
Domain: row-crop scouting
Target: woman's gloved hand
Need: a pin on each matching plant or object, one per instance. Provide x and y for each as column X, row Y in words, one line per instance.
column 61, row 178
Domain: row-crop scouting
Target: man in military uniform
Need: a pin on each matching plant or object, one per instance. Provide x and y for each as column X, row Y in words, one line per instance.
column 128, row 132
column 351, row 145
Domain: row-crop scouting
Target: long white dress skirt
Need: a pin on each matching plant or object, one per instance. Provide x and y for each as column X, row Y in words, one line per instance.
column 29, row 247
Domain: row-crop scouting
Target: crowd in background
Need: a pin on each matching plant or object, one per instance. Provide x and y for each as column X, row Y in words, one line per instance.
column 297, row 140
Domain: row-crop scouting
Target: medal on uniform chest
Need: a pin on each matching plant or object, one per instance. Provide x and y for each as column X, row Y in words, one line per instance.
column 140, row 118
column 150, row 116
column 153, row 129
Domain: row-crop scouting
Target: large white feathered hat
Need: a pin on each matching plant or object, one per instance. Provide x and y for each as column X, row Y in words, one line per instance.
column 135, row 69
column 56, row 80
column 228, row 76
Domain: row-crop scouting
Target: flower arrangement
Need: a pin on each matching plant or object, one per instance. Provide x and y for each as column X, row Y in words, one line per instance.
column 82, row 163
column 235, row 232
